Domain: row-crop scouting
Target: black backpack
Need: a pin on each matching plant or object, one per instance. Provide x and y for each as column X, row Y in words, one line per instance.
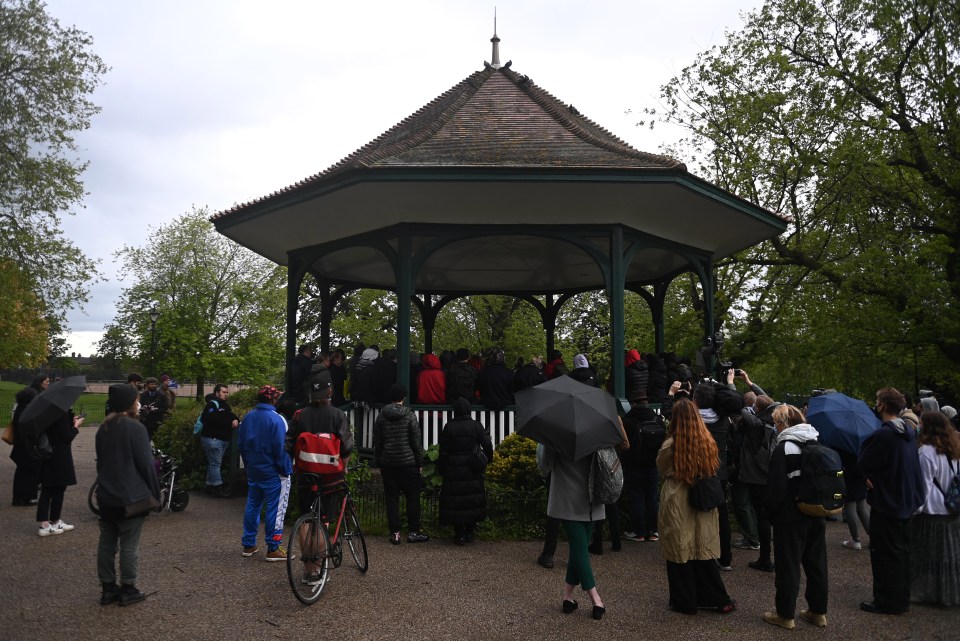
column 822, row 487
column 652, row 434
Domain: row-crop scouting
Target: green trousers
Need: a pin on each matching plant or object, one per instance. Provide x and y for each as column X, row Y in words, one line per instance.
column 579, row 571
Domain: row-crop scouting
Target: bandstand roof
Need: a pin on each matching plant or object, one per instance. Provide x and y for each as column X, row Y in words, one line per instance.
column 503, row 188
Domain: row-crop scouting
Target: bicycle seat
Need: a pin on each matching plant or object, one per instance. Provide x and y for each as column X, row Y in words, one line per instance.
column 315, row 481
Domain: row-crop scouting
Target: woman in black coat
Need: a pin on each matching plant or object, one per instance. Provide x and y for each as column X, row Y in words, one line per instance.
column 463, row 500
column 26, row 478
column 56, row 474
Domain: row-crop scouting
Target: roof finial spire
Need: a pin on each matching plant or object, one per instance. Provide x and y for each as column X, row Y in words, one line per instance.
column 495, row 59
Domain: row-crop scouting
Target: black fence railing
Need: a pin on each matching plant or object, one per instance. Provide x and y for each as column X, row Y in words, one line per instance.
column 510, row 513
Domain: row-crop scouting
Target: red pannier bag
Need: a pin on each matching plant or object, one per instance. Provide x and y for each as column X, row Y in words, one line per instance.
column 318, row 454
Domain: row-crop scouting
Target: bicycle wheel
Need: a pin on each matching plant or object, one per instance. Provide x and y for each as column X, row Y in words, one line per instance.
column 92, row 499
column 354, row 537
column 307, row 560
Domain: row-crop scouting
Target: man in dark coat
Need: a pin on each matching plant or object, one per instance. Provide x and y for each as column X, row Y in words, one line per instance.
column 461, row 378
column 889, row 459
column 529, row 375
column 717, row 403
column 496, row 382
column 153, row 406
column 463, row 501
column 300, row 373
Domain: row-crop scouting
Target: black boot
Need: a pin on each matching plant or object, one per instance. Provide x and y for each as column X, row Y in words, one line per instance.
column 129, row 594
column 110, row 594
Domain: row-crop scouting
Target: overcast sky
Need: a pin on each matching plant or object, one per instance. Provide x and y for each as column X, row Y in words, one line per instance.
column 209, row 103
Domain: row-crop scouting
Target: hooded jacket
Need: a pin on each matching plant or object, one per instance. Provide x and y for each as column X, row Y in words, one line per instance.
column 362, row 377
column 783, row 480
column 396, row 438
column 432, row 382
column 635, row 374
column 461, row 382
column 889, row 458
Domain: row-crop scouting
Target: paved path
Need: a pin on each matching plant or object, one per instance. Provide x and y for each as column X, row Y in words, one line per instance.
column 201, row 588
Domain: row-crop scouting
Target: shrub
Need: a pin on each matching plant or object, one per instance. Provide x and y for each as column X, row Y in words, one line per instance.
column 514, row 464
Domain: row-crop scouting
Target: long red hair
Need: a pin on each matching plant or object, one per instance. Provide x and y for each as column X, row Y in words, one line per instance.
column 694, row 450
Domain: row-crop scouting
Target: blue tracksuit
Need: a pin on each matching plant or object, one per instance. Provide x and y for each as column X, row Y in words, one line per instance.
column 268, row 466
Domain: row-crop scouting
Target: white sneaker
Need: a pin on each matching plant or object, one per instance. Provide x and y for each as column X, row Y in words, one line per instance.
column 63, row 527
column 48, row 530
column 853, row 545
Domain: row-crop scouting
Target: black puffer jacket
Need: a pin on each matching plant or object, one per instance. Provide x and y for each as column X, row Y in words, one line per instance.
column 462, row 496
column 635, row 374
column 396, row 438
column 461, row 382
column 657, row 385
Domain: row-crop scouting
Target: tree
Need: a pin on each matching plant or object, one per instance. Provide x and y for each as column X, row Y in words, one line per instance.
column 47, row 73
column 222, row 307
column 22, row 324
column 845, row 115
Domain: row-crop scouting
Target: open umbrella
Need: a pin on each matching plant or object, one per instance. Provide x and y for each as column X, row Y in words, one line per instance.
column 843, row 422
column 573, row 418
column 51, row 404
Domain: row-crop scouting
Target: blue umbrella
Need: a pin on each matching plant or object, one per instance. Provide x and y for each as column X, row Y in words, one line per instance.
column 843, row 422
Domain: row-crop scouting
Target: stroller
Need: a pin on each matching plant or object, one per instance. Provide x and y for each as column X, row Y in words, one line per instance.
column 172, row 497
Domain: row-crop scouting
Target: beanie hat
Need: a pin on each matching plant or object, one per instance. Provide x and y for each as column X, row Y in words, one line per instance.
column 121, row 396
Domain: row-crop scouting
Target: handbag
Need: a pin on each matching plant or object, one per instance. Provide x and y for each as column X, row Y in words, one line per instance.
column 9, row 434
column 143, row 505
column 42, row 447
column 478, row 458
column 706, row 493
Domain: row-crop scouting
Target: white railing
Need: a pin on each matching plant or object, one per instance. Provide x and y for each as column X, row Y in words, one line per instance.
column 499, row 423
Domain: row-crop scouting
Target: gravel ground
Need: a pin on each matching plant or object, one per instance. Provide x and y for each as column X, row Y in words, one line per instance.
column 200, row 587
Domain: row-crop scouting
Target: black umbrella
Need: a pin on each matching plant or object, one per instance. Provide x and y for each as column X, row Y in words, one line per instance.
column 572, row 418
column 51, row 404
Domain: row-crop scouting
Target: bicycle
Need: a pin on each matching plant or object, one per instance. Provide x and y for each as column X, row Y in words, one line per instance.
column 311, row 549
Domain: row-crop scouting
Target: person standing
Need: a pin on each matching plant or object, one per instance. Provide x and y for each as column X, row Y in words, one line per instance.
column 799, row 539
column 26, row 478
column 126, row 476
column 338, row 377
column 889, row 459
column 461, row 378
column 171, row 395
column 935, row 574
column 689, row 538
column 463, row 500
column 262, row 441
column 218, row 422
column 495, row 382
column 57, row 473
column 398, row 452
column 568, row 501
column 640, row 474
column 300, row 373
column 153, row 406
column 431, row 382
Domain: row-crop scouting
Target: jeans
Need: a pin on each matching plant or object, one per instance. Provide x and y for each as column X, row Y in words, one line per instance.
column 50, row 504
column 126, row 533
column 744, row 512
column 214, row 448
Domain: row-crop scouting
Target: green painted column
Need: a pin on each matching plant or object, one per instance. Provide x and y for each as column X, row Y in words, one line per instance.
column 549, row 317
column 659, row 298
column 295, row 274
column 616, row 297
column 708, row 285
column 405, row 291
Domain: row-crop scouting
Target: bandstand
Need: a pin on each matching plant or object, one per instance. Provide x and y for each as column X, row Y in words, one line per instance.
column 498, row 187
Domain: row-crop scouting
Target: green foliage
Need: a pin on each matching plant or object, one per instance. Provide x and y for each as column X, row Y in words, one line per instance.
column 176, row 438
column 244, row 398
column 432, row 481
column 47, row 74
column 221, row 307
column 22, row 325
column 358, row 473
column 514, row 464
column 843, row 116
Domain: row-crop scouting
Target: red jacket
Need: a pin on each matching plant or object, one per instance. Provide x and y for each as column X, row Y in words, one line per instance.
column 432, row 382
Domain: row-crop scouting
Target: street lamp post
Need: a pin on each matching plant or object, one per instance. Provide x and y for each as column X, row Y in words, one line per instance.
column 154, row 315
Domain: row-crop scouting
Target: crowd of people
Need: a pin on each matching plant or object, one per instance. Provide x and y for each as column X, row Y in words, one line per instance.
column 900, row 484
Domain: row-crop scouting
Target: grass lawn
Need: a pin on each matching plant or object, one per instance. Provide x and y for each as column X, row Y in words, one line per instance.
column 92, row 404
